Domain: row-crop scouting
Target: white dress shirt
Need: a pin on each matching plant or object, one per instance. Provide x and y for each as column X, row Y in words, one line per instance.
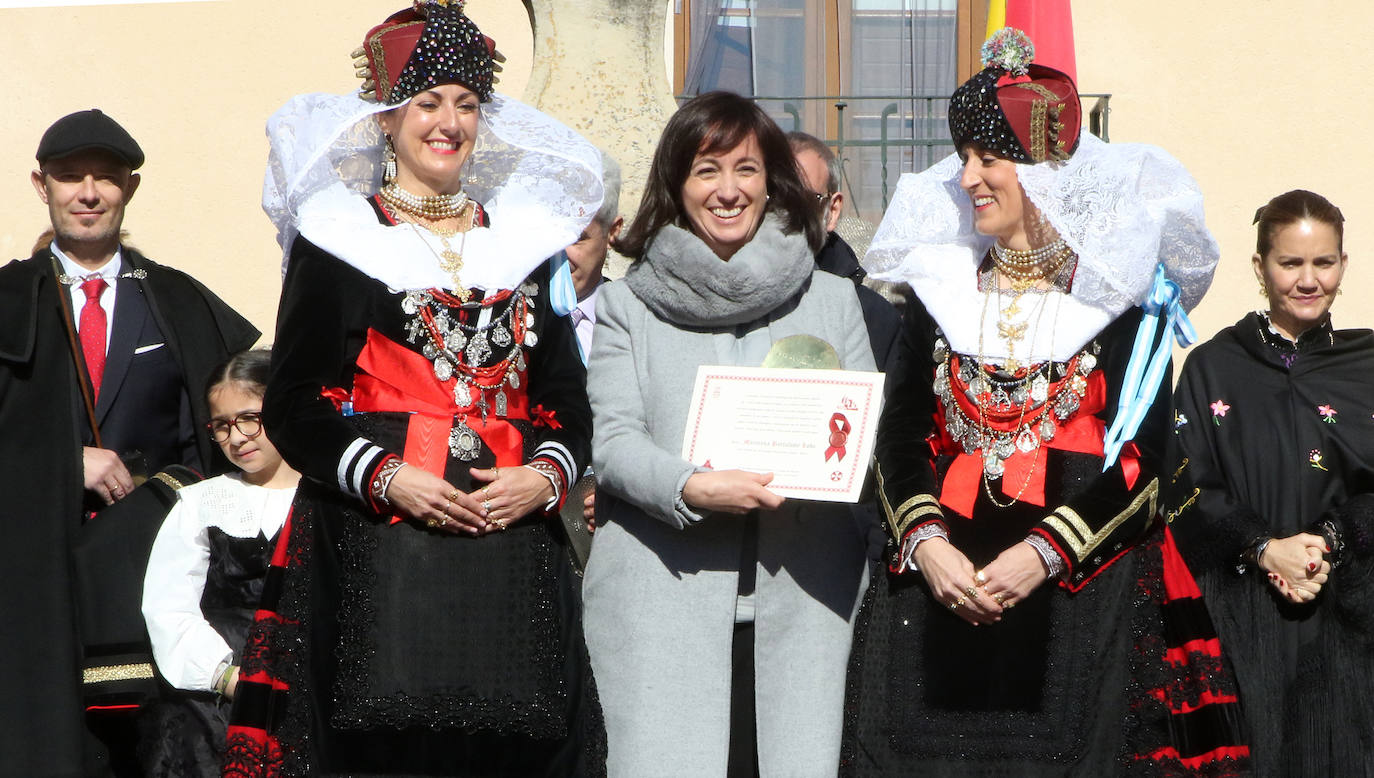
column 109, row 271
column 584, row 320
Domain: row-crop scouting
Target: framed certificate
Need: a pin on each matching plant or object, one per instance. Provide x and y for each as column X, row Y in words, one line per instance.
column 812, row 429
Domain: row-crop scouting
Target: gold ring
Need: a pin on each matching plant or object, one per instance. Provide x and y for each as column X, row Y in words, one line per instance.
column 1011, row 605
column 999, row 598
column 432, row 523
column 971, row 592
column 960, row 603
column 501, row 525
column 954, row 606
column 980, row 577
column 453, row 496
column 486, row 491
column 495, row 473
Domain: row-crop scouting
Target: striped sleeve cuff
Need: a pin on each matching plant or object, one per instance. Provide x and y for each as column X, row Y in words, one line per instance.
column 559, row 455
column 358, row 464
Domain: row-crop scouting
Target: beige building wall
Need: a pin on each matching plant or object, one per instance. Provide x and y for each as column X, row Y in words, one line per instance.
column 1254, row 97
column 194, row 83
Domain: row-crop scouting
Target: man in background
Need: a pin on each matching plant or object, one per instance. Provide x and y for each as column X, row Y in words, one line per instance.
column 587, row 259
column 821, row 173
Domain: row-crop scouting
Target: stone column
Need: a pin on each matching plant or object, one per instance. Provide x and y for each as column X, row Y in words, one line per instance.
column 599, row 68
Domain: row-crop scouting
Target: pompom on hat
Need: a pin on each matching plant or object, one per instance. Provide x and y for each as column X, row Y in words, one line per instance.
column 433, row 42
column 1025, row 112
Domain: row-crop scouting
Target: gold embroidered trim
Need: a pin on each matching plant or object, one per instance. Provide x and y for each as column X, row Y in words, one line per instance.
column 1039, row 89
column 381, row 76
column 916, row 508
column 911, row 510
column 1079, row 537
column 1085, row 533
column 1042, row 129
column 1070, row 539
column 170, row 481
column 131, row 672
column 1039, row 112
column 1169, row 516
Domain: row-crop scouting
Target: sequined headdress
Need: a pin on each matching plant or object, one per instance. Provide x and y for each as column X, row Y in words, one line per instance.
column 432, row 42
column 1020, row 110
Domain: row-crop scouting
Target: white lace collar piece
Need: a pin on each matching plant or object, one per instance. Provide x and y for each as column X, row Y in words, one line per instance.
column 1123, row 208
column 539, row 182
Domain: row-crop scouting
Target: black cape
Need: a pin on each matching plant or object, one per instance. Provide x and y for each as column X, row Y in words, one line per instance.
column 1266, row 448
column 41, row 714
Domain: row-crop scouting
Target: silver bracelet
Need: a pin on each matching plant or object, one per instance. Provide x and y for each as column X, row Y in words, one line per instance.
column 1053, row 562
column 382, row 481
column 550, row 472
column 922, row 534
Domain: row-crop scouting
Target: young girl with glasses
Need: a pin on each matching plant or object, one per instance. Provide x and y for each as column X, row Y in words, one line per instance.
column 206, row 574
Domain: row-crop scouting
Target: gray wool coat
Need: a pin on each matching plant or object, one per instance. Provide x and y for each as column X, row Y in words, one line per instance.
column 661, row 582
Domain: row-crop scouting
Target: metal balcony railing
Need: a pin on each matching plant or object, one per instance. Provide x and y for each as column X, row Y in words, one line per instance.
column 915, row 122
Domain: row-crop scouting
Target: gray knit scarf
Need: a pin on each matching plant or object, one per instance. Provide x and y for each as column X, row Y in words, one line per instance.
column 683, row 282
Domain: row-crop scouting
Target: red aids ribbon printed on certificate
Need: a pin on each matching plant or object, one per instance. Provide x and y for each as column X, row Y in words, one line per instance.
column 768, row 420
column 839, row 433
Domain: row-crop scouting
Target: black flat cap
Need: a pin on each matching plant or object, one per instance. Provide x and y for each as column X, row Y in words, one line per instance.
column 89, row 130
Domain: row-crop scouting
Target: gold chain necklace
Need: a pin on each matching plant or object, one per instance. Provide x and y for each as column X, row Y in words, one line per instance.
column 450, row 261
column 984, row 433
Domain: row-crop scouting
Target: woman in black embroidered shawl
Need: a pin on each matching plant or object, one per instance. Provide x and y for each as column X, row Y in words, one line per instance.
column 428, row 620
column 1018, row 465
column 1273, row 504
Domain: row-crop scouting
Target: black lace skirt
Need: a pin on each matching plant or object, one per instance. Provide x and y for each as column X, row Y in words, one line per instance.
column 409, row 651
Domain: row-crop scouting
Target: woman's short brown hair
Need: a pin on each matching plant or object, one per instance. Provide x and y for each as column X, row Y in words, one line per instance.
column 717, row 122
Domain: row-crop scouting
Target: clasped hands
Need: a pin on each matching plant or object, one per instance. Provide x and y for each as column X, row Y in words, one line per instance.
column 509, row 494
column 1296, row 566
column 979, row 596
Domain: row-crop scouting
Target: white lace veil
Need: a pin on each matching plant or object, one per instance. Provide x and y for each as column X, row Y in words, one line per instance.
column 1122, row 207
column 539, row 181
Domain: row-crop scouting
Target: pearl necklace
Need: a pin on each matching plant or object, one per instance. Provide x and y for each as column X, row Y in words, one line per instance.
column 430, row 208
column 1026, row 268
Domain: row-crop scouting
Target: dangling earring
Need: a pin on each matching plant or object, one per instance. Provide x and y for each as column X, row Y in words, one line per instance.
column 388, row 162
column 1263, row 290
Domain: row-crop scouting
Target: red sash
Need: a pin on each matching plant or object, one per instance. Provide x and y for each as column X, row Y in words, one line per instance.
column 1082, row 432
column 392, row 378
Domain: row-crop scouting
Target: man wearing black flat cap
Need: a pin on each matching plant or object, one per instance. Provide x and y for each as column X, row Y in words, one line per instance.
column 104, row 356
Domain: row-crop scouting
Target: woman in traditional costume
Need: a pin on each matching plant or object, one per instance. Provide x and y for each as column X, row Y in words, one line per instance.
column 427, row 621
column 1020, row 453
column 1274, row 501
column 719, row 616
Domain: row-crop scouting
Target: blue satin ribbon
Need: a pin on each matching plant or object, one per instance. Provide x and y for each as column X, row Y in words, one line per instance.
column 1146, row 370
column 562, row 293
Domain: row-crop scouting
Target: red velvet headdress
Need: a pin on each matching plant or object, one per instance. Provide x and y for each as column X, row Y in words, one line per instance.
column 432, row 42
column 1025, row 112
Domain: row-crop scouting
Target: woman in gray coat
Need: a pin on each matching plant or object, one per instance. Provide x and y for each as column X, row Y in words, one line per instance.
column 692, row 570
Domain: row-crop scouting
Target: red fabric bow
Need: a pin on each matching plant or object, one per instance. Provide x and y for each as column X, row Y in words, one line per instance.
column 540, row 417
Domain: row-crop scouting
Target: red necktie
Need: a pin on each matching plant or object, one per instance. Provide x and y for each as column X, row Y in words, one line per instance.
column 92, row 331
